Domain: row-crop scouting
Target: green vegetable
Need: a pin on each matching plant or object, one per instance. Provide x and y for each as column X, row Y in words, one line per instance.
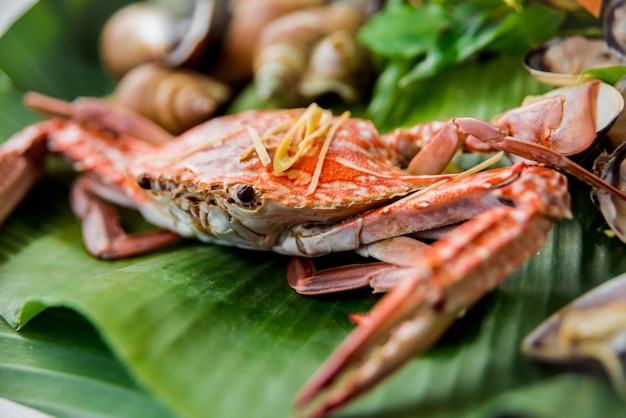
column 414, row 43
column 610, row 75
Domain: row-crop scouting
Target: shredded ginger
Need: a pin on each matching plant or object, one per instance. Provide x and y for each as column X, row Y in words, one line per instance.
column 314, row 123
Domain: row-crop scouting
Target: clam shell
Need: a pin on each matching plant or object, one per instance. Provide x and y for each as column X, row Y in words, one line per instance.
column 614, row 24
column 617, row 133
column 543, row 342
column 611, row 168
column 592, row 327
column 566, row 67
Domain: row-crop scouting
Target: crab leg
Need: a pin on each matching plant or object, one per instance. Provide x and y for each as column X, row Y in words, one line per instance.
column 523, row 146
column 545, row 155
column 98, row 112
column 456, row 272
column 566, row 125
column 22, row 157
column 102, row 234
column 18, row 176
column 382, row 233
column 545, row 131
column 305, row 279
column 453, row 202
column 22, row 163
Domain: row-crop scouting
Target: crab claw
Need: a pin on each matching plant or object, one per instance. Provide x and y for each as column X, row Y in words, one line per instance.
column 565, row 122
column 539, row 153
column 454, row 273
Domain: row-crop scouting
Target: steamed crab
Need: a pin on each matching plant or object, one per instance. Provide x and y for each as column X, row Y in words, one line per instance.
column 305, row 183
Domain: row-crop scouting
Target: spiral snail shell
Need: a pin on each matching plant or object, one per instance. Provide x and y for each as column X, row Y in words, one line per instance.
column 337, row 64
column 249, row 19
column 286, row 44
column 176, row 99
column 174, row 33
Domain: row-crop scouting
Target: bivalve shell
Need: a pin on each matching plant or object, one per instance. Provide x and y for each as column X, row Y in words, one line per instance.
column 612, row 169
column 591, row 328
column 560, row 61
column 614, row 24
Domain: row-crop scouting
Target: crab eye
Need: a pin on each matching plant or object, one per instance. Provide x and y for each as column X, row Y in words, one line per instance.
column 144, row 181
column 243, row 194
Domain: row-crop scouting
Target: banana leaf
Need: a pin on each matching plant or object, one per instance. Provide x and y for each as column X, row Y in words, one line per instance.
column 197, row 330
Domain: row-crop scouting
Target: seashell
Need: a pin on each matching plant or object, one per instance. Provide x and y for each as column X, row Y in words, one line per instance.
column 135, row 34
column 285, row 45
column 560, row 61
column 617, row 133
column 612, row 169
column 614, row 24
column 249, row 18
column 337, row 65
column 173, row 33
column 176, row 99
column 593, row 327
column 197, row 33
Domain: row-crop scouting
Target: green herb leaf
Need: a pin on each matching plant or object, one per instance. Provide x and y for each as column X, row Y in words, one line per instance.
column 405, row 32
column 471, row 29
column 610, row 75
column 521, row 30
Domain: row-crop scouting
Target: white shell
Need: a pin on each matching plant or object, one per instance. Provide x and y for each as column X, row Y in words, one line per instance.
column 611, row 168
column 614, row 24
column 536, row 61
column 592, row 327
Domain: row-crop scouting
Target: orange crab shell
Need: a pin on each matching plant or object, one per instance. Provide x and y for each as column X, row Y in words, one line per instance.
column 358, row 169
